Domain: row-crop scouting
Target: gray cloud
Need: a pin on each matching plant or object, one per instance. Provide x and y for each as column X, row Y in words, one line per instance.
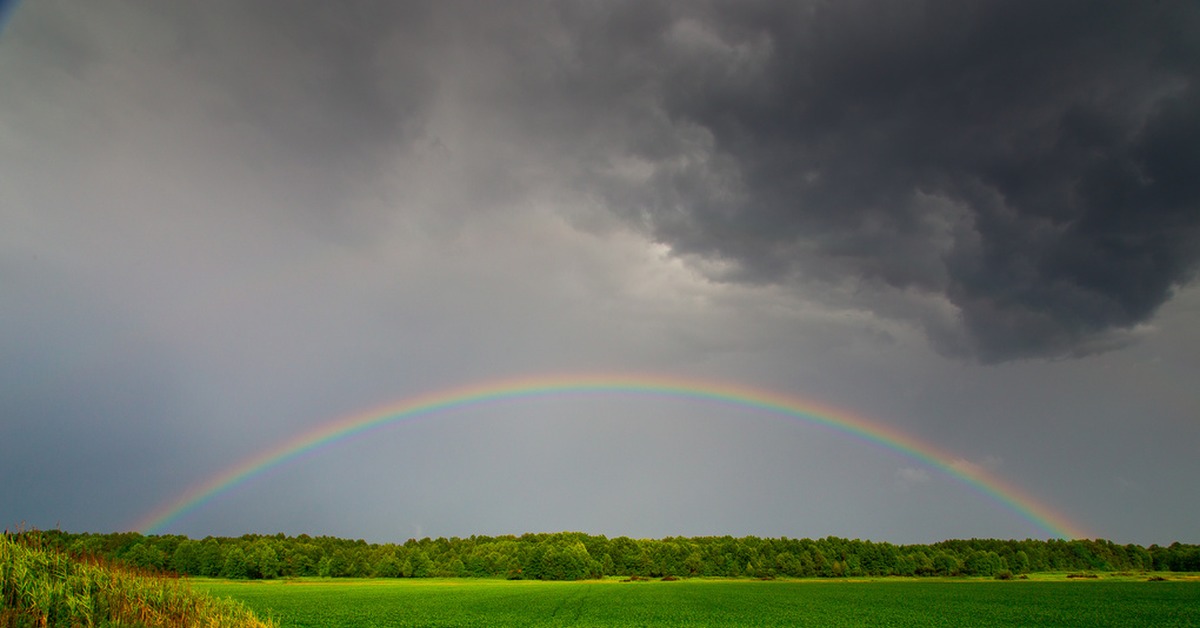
column 1034, row 165
column 1030, row 168
column 305, row 102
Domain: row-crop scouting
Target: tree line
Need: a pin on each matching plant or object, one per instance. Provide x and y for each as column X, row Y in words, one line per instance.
column 576, row 556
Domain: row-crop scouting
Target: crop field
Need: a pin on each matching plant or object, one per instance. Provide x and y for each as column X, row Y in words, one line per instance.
column 890, row 602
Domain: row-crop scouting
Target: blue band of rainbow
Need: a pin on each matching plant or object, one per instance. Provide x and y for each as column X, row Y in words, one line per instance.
column 1041, row 516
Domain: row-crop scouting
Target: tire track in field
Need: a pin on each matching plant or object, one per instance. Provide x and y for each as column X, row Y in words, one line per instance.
column 558, row 607
column 576, row 600
column 584, row 595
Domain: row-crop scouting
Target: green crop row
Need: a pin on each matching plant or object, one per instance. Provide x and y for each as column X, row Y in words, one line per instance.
column 719, row 603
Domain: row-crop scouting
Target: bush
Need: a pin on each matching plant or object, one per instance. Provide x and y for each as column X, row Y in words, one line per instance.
column 1003, row 574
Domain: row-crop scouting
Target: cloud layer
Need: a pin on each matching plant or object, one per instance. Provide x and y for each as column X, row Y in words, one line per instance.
column 1031, row 165
column 1017, row 179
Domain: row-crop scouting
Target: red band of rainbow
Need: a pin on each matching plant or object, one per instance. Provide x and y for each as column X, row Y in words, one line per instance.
column 1027, row 507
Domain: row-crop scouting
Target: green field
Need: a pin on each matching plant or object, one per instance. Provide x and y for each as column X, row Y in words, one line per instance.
column 890, row 602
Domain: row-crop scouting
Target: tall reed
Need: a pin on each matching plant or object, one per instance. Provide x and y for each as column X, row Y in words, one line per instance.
column 40, row 587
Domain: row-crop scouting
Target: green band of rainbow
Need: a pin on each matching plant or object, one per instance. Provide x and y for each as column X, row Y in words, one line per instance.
column 992, row 486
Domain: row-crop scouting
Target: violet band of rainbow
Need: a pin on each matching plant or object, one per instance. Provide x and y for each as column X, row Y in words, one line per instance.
column 1049, row 521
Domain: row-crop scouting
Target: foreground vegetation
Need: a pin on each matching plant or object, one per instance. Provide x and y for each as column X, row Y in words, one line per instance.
column 575, row 556
column 44, row 587
column 41, row 585
column 895, row 602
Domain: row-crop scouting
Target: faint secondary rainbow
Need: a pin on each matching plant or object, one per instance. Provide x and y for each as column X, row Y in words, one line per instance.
column 989, row 484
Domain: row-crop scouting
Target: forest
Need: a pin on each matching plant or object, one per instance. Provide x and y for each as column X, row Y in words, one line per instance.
column 577, row 556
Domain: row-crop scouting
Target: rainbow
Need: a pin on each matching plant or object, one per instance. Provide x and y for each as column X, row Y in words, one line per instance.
column 337, row 430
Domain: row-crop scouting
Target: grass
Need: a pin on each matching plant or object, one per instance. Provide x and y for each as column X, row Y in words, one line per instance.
column 40, row 587
column 890, row 602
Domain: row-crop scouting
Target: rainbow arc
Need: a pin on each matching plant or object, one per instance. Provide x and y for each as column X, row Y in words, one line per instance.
column 989, row 484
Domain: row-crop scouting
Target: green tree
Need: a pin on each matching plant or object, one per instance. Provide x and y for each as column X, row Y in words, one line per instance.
column 561, row 558
column 186, row 558
column 454, row 568
column 236, row 567
column 945, row 564
column 787, row 564
column 627, row 556
column 209, row 561
column 340, row 564
column 906, row 565
column 262, row 561
column 422, row 566
column 387, row 567
column 981, row 563
column 303, row 559
column 1020, row 562
column 146, row 556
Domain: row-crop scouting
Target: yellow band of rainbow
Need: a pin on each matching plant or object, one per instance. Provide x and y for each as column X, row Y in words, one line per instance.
column 989, row 484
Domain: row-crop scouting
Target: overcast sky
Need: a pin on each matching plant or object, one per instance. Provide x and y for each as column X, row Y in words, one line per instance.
column 223, row 223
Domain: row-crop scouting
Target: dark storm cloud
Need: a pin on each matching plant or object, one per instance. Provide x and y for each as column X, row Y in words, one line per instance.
column 1035, row 164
